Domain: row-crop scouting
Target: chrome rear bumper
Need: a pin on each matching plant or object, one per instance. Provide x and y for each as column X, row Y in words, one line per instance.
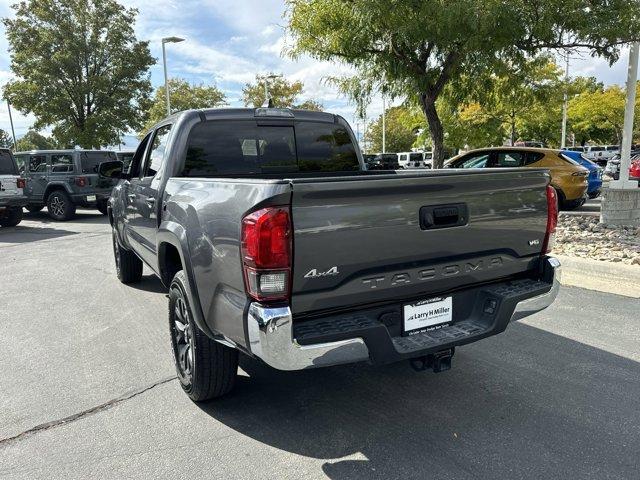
column 271, row 339
column 535, row 304
column 270, row 331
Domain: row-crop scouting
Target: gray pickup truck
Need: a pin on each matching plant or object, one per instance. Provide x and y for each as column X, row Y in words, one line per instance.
column 276, row 242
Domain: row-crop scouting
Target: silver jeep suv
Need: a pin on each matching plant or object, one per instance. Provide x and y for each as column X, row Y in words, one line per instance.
column 66, row 179
column 12, row 198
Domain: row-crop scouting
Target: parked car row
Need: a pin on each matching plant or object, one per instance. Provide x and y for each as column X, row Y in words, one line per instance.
column 398, row 161
column 599, row 154
column 61, row 180
column 569, row 179
column 613, row 166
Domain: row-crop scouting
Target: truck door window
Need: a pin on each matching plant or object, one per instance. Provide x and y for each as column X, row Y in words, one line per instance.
column 61, row 163
column 156, row 155
column 136, row 161
column 37, row 163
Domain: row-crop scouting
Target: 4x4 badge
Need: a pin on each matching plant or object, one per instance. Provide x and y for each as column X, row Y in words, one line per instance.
column 313, row 273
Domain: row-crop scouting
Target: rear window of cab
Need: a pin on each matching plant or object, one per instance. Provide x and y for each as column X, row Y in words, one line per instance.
column 242, row 147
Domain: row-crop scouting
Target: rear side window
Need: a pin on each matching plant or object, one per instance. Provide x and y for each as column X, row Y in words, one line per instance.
column 533, row 157
column 473, row 161
column 218, row 148
column 21, row 161
column 90, row 161
column 61, row 163
column 510, row 159
column 7, row 167
column 568, row 160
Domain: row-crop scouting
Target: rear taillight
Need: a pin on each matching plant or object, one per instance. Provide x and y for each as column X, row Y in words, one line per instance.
column 81, row 181
column 21, row 183
column 552, row 219
column 266, row 253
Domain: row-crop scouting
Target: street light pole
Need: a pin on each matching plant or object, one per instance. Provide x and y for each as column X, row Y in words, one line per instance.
column 266, row 78
column 13, row 132
column 621, row 202
column 164, row 61
column 384, row 124
column 563, row 141
column 627, row 132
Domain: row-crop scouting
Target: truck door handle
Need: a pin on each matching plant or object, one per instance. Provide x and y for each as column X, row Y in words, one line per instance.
column 443, row 216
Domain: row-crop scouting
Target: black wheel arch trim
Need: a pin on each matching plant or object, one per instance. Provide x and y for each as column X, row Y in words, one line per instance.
column 174, row 234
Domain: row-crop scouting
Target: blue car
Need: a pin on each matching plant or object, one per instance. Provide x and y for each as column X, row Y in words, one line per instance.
column 595, row 172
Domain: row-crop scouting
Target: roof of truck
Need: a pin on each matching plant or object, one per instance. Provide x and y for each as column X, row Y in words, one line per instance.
column 251, row 113
column 69, row 150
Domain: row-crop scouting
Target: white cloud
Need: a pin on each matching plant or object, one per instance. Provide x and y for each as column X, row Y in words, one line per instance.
column 250, row 16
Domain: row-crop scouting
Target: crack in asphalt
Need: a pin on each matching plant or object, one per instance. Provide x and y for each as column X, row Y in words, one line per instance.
column 84, row 413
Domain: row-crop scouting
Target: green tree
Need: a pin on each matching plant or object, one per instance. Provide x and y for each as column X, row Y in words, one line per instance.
column 5, row 139
column 416, row 48
column 599, row 115
column 402, row 126
column 33, row 140
column 283, row 94
column 310, row 105
column 79, row 68
column 184, row 96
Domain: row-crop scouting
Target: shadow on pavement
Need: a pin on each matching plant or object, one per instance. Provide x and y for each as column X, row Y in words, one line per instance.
column 525, row 404
column 149, row 283
column 24, row 234
column 82, row 216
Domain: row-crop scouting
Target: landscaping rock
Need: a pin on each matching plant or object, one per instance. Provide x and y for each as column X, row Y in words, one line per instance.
column 580, row 236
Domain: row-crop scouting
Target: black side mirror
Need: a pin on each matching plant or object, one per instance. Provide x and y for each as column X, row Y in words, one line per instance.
column 112, row 169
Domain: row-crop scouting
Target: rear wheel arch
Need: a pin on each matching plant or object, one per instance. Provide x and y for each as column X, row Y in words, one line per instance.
column 169, row 262
column 53, row 187
column 171, row 238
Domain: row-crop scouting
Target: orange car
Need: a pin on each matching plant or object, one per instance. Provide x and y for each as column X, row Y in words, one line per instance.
column 567, row 176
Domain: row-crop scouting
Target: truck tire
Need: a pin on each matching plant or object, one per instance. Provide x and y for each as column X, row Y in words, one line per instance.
column 102, row 207
column 11, row 217
column 34, row 208
column 206, row 369
column 128, row 265
column 60, row 206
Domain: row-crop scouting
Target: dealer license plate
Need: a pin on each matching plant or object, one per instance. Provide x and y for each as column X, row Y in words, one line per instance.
column 427, row 315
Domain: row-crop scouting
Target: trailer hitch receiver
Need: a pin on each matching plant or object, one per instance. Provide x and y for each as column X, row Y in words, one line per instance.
column 438, row 362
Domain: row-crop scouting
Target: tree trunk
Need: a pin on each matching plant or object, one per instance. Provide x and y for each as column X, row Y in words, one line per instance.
column 435, row 129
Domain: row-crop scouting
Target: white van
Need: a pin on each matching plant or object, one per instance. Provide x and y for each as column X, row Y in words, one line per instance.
column 415, row 159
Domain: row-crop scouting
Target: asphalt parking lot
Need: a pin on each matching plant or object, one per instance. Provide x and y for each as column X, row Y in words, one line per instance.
column 87, row 389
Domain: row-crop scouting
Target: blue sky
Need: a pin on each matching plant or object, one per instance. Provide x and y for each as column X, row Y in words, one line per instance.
column 228, row 42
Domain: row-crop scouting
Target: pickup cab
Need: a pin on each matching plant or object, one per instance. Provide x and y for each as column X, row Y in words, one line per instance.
column 12, row 197
column 274, row 241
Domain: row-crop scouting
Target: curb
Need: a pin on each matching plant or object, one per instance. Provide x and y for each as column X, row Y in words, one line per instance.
column 606, row 277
